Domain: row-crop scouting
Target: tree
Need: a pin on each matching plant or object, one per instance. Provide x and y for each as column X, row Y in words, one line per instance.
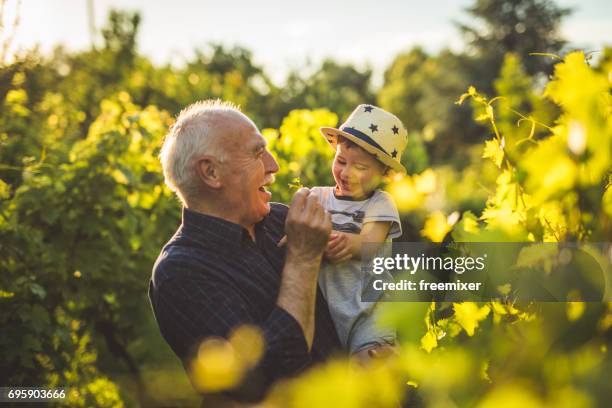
column 337, row 87
column 120, row 35
column 403, row 87
column 516, row 26
column 420, row 90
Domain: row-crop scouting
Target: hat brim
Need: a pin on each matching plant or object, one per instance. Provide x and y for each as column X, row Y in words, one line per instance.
column 331, row 135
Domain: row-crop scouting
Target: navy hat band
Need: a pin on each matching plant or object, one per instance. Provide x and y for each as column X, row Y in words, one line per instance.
column 360, row 135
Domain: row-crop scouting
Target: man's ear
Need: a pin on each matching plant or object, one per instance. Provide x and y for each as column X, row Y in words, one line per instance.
column 209, row 171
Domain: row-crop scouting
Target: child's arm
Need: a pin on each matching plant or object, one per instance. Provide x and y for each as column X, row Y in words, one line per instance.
column 343, row 246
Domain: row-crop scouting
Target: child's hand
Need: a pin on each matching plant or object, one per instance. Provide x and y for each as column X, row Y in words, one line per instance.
column 365, row 358
column 338, row 248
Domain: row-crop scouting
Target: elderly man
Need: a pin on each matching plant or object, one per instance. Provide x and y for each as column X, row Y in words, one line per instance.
column 223, row 267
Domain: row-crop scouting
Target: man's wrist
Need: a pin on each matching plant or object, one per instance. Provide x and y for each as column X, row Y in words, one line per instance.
column 303, row 261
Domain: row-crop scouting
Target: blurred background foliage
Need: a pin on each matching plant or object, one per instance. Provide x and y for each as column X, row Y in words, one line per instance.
column 503, row 147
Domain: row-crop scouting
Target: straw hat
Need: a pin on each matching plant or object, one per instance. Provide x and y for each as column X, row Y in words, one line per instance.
column 375, row 130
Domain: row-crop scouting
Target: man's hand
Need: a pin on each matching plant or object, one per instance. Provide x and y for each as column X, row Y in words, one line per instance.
column 338, row 248
column 307, row 227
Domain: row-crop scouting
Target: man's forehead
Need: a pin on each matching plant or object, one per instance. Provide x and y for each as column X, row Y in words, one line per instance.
column 245, row 123
column 238, row 124
column 247, row 137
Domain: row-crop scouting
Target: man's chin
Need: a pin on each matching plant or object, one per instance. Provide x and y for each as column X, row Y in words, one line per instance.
column 264, row 210
column 265, row 198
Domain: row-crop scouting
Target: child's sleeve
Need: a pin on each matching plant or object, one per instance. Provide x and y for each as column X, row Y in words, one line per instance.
column 382, row 208
column 319, row 192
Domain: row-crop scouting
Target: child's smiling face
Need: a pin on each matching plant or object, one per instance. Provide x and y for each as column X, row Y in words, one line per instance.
column 357, row 173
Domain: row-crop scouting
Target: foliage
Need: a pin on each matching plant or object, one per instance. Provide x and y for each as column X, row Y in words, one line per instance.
column 80, row 210
column 403, row 90
column 564, row 199
column 301, row 151
column 337, row 87
column 419, row 89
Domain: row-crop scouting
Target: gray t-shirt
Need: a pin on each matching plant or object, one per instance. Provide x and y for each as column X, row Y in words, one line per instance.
column 342, row 283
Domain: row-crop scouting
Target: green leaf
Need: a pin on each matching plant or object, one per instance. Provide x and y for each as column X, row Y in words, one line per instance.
column 4, row 190
column 494, row 151
column 468, row 315
column 39, row 318
column 38, row 290
column 429, row 341
column 462, row 98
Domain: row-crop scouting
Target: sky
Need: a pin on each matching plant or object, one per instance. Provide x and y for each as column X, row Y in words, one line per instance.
column 283, row 34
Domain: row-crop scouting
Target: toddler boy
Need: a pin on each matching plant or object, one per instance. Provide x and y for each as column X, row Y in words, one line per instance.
column 368, row 146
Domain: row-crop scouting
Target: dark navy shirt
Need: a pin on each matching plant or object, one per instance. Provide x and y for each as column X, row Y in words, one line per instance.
column 212, row 277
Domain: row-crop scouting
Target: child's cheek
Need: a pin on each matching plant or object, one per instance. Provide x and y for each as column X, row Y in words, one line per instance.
column 370, row 182
column 336, row 172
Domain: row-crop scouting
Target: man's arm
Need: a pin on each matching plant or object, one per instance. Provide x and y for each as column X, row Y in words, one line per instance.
column 307, row 227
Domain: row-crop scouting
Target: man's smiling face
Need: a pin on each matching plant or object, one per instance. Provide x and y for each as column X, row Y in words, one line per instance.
column 247, row 171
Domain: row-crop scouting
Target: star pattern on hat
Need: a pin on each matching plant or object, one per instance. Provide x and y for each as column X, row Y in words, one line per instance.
column 368, row 108
column 394, row 153
column 373, row 128
column 395, row 129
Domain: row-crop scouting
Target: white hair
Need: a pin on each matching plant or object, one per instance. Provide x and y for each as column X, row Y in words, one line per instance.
column 193, row 135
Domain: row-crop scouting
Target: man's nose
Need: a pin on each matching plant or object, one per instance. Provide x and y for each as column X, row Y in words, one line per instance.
column 270, row 163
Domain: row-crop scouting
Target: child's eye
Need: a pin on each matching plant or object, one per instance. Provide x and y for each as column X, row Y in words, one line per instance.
column 362, row 168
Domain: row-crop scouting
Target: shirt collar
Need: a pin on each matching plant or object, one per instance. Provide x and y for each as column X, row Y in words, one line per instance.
column 209, row 229
column 347, row 198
